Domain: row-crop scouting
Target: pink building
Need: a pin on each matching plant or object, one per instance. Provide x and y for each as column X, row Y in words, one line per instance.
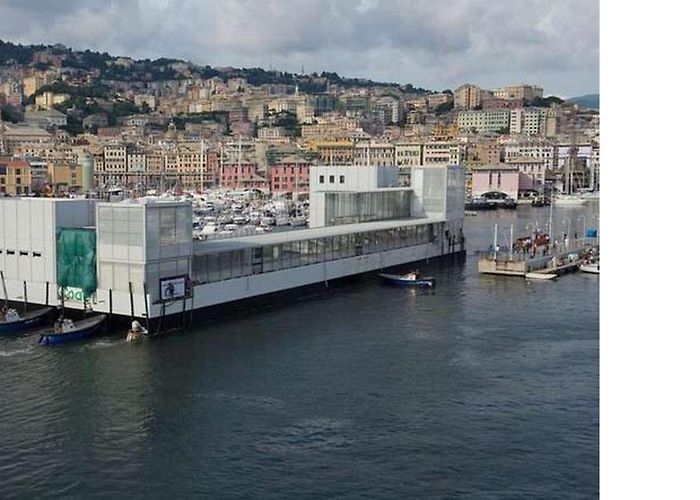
column 499, row 177
column 532, row 172
column 291, row 175
column 244, row 176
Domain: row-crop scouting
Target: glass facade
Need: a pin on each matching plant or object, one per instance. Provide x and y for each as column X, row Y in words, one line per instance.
column 124, row 256
column 352, row 208
column 236, row 263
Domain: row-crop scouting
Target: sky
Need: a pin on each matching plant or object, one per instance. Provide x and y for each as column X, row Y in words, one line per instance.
column 434, row 44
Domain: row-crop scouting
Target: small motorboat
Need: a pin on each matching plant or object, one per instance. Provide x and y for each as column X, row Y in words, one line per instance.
column 67, row 330
column 540, row 276
column 136, row 333
column 11, row 321
column 590, row 267
column 410, row 279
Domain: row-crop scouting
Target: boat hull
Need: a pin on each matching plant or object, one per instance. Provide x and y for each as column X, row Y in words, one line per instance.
column 32, row 319
column 541, row 276
column 590, row 268
column 84, row 329
column 396, row 280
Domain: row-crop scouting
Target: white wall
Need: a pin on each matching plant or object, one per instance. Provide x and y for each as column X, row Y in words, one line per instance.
column 28, row 232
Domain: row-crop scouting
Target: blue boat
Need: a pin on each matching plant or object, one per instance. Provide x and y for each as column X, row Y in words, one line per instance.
column 410, row 279
column 13, row 322
column 66, row 330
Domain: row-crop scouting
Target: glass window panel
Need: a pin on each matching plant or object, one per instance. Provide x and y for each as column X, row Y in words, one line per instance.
column 214, row 270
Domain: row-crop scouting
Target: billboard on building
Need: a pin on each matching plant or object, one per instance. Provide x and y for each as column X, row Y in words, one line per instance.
column 173, row 288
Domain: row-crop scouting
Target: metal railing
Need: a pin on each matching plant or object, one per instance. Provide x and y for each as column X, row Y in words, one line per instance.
column 541, row 252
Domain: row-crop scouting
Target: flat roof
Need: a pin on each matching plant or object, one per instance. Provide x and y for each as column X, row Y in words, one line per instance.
column 241, row 242
column 355, row 191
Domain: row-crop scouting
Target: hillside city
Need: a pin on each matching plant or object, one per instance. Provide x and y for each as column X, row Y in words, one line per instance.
column 87, row 122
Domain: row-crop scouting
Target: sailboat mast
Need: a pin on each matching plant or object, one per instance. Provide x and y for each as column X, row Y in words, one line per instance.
column 201, row 166
column 511, row 242
column 495, row 239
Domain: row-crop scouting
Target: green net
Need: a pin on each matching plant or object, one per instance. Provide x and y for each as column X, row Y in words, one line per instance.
column 75, row 259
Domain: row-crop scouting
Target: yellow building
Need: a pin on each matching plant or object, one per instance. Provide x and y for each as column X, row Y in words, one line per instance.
column 65, row 176
column 48, row 100
column 334, row 152
column 15, row 176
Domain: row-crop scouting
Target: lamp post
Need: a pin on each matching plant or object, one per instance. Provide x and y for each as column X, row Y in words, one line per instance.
column 583, row 234
column 568, row 230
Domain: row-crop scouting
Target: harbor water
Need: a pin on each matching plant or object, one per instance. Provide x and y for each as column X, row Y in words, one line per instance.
column 485, row 387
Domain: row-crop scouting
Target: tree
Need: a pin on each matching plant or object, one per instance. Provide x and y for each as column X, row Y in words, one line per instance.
column 445, row 107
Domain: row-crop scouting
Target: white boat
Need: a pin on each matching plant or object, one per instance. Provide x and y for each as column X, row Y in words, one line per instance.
column 282, row 220
column 298, row 221
column 591, row 267
column 570, row 199
column 540, row 276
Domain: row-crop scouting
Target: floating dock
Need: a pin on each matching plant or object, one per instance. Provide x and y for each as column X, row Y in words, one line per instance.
column 564, row 259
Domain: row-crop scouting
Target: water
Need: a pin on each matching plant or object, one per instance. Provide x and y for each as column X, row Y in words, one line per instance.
column 486, row 387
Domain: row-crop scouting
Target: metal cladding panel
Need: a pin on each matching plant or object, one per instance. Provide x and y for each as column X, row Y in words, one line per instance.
column 36, row 226
column 24, row 265
column 24, row 235
column 10, row 220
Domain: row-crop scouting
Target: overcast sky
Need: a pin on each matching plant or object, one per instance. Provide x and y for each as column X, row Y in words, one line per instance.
column 436, row 44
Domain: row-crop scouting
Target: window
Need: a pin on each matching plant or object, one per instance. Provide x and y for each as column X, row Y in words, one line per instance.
column 332, row 179
column 342, row 179
column 320, row 179
column 36, row 254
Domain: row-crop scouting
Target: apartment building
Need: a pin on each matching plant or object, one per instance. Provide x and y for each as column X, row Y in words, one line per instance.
column 537, row 150
column 528, row 121
column 496, row 120
column 441, row 153
column 48, row 100
column 376, row 154
column 290, row 175
column 408, row 154
column 488, row 152
column 334, row 152
column 64, row 176
column 15, row 176
column 519, row 91
column 467, row 96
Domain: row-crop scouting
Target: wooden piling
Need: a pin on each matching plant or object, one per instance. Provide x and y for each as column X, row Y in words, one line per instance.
column 184, row 309
column 145, row 303
column 109, row 318
column 131, row 300
column 191, row 305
